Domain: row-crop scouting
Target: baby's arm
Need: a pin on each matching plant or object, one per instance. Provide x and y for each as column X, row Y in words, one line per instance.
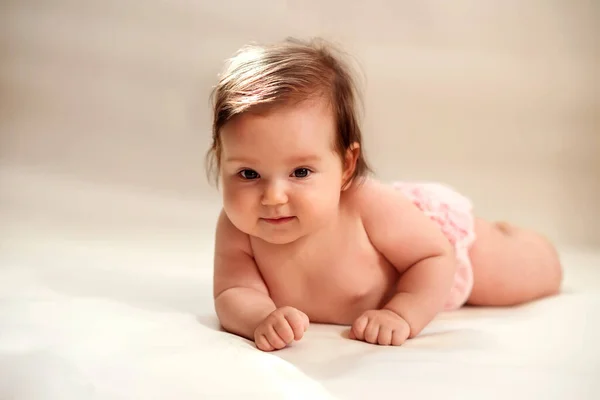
column 242, row 299
column 416, row 246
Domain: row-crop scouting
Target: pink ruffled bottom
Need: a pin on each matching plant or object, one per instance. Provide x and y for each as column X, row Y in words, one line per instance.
column 453, row 212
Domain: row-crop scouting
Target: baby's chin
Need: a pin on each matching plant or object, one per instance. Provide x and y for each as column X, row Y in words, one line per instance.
column 277, row 238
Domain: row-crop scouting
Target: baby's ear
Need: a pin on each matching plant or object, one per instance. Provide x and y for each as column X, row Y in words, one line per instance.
column 350, row 159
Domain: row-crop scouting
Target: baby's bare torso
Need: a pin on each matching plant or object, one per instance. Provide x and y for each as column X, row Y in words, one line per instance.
column 333, row 276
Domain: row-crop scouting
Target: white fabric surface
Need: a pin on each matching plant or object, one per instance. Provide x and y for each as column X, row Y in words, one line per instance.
column 92, row 310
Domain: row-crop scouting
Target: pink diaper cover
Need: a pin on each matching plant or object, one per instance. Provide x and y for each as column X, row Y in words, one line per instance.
column 453, row 212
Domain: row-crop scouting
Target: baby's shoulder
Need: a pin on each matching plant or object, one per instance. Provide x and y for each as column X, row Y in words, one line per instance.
column 372, row 200
column 371, row 192
column 228, row 237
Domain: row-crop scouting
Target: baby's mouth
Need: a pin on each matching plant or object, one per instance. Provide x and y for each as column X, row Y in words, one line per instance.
column 278, row 220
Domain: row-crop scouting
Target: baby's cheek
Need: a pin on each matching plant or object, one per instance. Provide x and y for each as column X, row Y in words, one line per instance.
column 238, row 207
column 235, row 195
column 323, row 203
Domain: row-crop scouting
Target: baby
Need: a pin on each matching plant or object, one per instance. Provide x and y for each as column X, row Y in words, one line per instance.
column 307, row 235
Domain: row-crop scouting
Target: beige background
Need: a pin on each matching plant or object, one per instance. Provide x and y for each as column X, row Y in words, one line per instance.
column 500, row 99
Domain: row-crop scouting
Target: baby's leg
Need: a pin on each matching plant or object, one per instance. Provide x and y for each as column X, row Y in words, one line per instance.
column 512, row 265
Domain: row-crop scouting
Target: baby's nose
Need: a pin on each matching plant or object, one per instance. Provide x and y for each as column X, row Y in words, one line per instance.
column 274, row 194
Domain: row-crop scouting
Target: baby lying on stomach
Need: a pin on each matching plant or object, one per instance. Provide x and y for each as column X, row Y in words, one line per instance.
column 306, row 234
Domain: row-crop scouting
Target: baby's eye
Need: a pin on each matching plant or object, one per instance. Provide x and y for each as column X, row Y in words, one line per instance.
column 301, row 173
column 248, row 174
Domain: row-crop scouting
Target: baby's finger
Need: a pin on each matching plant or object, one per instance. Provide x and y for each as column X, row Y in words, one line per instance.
column 398, row 337
column 274, row 338
column 305, row 320
column 358, row 328
column 263, row 344
column 371, row 332
column 284, row 330
column 296, row 322
column 384, row 337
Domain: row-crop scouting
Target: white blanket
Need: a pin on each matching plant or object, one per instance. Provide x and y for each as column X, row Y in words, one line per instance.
column 78, row 332
column 86, row 315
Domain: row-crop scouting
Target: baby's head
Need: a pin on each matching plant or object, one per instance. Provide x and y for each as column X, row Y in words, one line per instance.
column 286, row 138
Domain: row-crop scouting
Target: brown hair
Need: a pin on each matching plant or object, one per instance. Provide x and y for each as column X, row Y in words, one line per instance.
column 269, row 75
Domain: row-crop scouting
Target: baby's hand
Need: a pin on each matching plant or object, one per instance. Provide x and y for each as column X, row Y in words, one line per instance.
column 383, row 327
column 280, row 328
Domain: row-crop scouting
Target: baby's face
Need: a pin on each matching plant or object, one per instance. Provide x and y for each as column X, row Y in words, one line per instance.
column 280, row 173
